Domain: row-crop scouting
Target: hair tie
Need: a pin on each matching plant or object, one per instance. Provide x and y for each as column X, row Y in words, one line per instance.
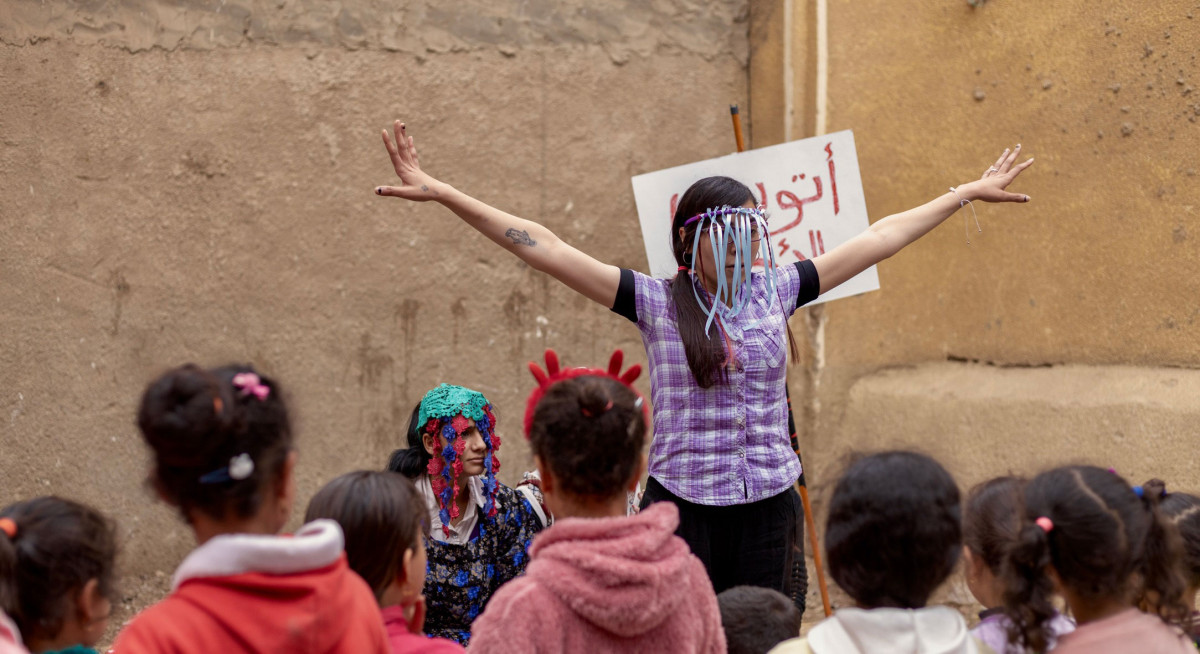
column 1045, row 523
column 587, row 412
column 9, row 527
column 684, row 269
column 1139, row 491
column 217, row 405
column 240, row 467
column 251, row 384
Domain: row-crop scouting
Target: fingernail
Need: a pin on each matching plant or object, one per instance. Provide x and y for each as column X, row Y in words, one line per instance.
column 378, row 190
column 1018, row 146
column 1027, row 198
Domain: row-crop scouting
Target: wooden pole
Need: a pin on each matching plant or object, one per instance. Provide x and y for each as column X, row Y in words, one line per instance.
column 801, row 484
column 737, row 127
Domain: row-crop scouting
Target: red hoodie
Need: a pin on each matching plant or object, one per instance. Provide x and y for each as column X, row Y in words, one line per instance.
column 606, row 585
column 244, row 593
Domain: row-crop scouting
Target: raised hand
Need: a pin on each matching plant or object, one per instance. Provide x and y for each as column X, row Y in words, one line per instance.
column 415, row 184
column 991, row 186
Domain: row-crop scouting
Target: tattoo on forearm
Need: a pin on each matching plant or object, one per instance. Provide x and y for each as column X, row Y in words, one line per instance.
column 426, row 189
column 520, row 237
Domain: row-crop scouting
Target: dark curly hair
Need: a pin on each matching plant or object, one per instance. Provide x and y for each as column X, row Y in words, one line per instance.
column 195, row 422
column 590, row 431
column 1102, row 537
column 894, row 532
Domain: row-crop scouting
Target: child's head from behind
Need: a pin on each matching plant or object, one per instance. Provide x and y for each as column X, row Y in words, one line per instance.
column 64, row 554
column 894, row 531
column 588, row 433
column 990, row 524
column 222, row 443
column 382, row 517
column 757, row 619
column 1183, row 510
column 1086, row 529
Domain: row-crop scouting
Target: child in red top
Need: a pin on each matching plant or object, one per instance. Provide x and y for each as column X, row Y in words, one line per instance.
column 383, row 518
column 222, row 445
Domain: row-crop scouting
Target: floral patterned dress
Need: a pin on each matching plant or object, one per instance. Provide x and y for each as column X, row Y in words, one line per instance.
column 462, row 578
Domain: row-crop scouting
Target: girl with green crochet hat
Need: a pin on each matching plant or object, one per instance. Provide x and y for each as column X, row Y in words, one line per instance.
column 480, row 529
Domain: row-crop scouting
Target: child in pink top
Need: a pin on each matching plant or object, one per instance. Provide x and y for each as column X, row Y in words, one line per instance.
column 598, row 580
column 383, row 518
column 1106, row 547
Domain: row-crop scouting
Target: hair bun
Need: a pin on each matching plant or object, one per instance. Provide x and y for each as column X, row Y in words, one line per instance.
column 179, row 413
column 1153, row 491
column 594, row 401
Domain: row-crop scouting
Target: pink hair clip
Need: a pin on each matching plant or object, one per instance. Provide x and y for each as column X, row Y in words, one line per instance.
column 250, row 384
column 1045, row 523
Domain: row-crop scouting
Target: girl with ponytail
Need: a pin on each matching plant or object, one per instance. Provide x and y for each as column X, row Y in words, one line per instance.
column 480, row 529
column 1105, row 547
column 222, row 455
column 717, row 344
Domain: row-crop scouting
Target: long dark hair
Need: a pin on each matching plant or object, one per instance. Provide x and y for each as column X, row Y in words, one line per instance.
column 196, row 421
column 1101, row 535
column 706, row 355
column 413, row 460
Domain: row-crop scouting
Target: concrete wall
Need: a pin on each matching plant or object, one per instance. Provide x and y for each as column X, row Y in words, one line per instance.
column 1068, row 330
column 192, row 181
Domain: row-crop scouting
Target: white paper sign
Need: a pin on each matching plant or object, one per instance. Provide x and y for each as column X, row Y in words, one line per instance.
column 812, row 190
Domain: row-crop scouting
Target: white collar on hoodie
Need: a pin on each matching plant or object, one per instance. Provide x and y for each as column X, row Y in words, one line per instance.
column 315, row 545
column 6, row 624
column 931, row 630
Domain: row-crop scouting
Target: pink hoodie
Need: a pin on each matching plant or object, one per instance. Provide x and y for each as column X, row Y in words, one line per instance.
column 606, row 585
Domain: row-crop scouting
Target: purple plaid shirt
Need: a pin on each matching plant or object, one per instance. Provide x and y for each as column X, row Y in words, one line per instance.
column 727, row 444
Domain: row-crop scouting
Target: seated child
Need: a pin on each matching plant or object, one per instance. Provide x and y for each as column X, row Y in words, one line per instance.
column 599, row 580
column 64, row 560
column 894, row 534
column 480, row 529
column 1104, row 545
column 993, row 515
column 222, row 446
column 1184, row 511
column 757, row 619
column 383, row 519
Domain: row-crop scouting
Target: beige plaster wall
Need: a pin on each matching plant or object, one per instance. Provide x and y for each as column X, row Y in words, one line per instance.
column 1101, row 268
column 1068, row 330
column 192, row 181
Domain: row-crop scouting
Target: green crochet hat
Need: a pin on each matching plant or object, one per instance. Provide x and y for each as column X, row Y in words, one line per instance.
column 448, row 400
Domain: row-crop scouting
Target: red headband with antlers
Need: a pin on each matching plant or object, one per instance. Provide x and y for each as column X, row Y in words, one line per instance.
column 554, row 374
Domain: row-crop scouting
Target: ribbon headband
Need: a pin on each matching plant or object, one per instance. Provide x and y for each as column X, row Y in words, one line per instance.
column 759, row 211
column 742, row 228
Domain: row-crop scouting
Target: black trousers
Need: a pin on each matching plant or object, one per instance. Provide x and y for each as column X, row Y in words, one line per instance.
column 751, row 544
